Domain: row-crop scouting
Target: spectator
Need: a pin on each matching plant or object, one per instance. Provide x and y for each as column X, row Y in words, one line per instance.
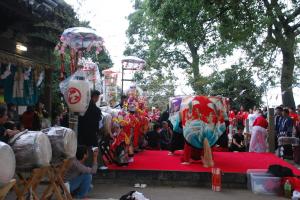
column 41, row 111
column 177, row 140
column 13, row 114
column 45, row 122
column 123, row 101
column 64, row 118
column 238, row 141
column 277, row 120
column 265, row 112
column 153, row 137
column 285, row 130
column 30, row 120
column 251, row 117
column 88, row 126
column 293, row 115
column 242, row 117
column 165, row 115
column 286, row 124
column 165, row 136
column 232, row 122
column 79, row 176
column 223, row 141
column 259, row 134
column 5, row 133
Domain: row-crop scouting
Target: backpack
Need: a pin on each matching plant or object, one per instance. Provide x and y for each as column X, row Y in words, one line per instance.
column 280, row 171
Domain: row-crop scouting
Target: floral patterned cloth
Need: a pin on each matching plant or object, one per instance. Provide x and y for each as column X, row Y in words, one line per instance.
column 258, row 139
column 203, row 117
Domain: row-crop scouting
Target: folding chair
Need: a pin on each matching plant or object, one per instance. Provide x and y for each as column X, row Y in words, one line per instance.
column 57, row 185
column 28, row 185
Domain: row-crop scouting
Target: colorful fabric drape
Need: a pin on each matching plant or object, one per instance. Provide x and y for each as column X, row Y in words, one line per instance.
column 30, row 91
column 258, row 141
column 203, row 117
column 174, row 111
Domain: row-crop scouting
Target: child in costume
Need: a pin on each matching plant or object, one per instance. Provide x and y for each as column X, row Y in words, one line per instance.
column 119, row 146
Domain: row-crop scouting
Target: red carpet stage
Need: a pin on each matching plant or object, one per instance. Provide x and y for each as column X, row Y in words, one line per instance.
column 228, row 162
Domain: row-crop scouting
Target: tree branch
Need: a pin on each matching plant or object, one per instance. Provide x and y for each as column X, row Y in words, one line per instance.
column 183, row 57
column 295, row 27
column 270, row 36
column 292, row 16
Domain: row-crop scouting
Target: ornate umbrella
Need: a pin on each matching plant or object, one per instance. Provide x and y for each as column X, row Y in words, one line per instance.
column 78, row 39
column 133, row 62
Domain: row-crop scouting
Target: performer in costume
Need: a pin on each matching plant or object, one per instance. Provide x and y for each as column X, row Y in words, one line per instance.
column 258, row 141
column 119, row 146
column 203, row 121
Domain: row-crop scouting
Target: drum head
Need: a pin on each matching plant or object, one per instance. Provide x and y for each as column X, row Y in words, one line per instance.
column 7, row 163
column 43, row 149
column 70, row 143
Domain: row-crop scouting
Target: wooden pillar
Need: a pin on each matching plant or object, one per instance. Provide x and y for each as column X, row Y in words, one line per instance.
column 271, row 130
column 48, row 90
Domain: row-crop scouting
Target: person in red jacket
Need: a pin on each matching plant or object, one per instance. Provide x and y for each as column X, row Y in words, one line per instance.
column 259, row 134
column 293, row 115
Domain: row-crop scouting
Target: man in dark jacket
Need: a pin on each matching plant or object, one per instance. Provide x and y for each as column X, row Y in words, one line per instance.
column 153, row 137
column 88, row 126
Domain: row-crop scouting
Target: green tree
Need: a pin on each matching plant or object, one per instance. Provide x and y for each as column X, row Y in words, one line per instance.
column 157, row 86
column 262, row 28
column 236, row 83
column 172, row 33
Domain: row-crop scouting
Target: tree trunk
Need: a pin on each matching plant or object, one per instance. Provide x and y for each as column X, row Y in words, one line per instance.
column 287, row 72
column 196, row 84
column 195, row 66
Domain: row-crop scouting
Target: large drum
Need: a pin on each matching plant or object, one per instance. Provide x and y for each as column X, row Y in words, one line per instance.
column 32, row 149
column 63, row 142
column 7, row 163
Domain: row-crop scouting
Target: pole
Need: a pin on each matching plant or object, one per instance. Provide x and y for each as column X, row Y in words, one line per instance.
column 122, row 81
column 271, row 130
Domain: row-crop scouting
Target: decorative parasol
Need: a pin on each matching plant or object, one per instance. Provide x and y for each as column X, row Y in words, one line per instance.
column 132, row 62
column 110, row 85
column 78, row 39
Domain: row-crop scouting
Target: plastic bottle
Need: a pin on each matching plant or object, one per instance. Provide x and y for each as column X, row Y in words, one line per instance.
column 287, row 189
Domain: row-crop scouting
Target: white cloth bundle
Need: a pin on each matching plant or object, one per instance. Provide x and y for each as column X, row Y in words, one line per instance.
column 63, row 142
column 7, row 163
column 32, row 149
